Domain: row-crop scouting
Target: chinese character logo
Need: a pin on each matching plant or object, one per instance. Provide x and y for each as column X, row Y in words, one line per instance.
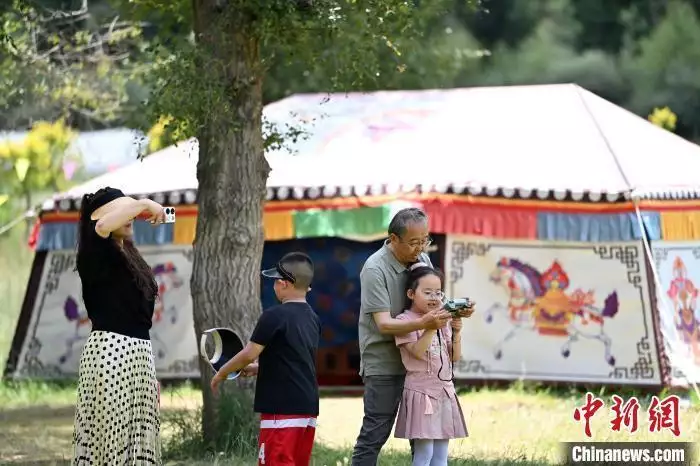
column 661, row 414
column 587, row 411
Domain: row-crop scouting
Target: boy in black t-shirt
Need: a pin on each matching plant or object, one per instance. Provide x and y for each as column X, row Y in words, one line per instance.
column 286, row 340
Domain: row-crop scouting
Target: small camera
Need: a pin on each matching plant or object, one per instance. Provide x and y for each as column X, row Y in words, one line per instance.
column 454, row 305
column 169, row 215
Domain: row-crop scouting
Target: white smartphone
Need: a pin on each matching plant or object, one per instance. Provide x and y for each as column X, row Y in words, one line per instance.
column 169, row 215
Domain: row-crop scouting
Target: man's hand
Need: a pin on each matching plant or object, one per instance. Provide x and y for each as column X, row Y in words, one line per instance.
column 251, row 370
column 434, row 320
column 467, row 313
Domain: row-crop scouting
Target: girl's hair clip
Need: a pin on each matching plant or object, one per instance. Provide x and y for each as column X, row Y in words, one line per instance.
column 417, row 265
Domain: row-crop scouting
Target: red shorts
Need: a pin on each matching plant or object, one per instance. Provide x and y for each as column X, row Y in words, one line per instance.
column 286, row 440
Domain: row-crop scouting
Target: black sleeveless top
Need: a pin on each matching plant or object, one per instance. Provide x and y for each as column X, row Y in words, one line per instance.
column 113, row 301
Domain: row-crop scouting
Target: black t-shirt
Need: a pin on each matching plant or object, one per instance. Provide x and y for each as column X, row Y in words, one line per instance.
column 113, row 301
column 287, row 382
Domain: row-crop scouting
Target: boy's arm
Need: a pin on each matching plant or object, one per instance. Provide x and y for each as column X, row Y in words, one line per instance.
column 264, row 332
column 246, row 356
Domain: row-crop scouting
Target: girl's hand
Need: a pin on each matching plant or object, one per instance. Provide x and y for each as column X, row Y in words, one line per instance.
column 434, row 320
column 456, row 324
column 467, row 313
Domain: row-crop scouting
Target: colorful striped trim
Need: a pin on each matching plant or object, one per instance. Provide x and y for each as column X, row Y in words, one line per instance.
column 670, row 205
column 449, row 214
column 680, row 226
column 447, row 199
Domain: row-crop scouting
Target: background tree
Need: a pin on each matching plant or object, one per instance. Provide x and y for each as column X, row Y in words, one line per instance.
column 594, row 43
column 548, row 54
column 68, row 59
column 164, row 133
column 665, row 67
column 435, row 53
column 40, row 162
column 664, row 118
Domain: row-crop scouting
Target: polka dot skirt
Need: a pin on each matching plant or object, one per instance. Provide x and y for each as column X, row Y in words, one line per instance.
column 117, row 420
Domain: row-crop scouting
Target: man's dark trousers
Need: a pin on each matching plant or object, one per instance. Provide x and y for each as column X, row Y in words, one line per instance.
column 381, row 400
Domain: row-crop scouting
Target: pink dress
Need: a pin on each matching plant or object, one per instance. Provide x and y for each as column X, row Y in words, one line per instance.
column 429, row 406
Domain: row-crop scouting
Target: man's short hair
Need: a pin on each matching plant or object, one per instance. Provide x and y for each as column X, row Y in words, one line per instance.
column 295, row 267
column 405, row 217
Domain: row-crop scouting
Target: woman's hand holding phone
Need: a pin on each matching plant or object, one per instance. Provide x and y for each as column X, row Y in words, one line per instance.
column 155, row 211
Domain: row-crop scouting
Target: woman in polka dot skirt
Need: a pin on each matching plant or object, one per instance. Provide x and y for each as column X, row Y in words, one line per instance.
column 117, row 420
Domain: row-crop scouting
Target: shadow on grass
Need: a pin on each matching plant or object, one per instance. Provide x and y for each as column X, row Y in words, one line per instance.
column 42, row 435
column 31, row 413
column 38, row 463
column 326, row 456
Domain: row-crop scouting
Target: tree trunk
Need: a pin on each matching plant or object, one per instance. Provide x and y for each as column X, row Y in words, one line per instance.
column 232, row 174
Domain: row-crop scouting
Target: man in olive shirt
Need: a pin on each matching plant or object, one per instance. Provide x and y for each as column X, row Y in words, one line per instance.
column 383, row 296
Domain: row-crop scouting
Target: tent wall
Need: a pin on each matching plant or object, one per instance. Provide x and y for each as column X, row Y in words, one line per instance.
column 516, row 226
column 335, row 296
column 555, row 311
column 26, row 312
column 53, row 325
column 678, row 266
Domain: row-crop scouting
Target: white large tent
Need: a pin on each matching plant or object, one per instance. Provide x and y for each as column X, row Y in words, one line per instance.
column 539, row 195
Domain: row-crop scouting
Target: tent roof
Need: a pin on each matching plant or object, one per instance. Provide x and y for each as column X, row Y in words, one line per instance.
column 544, row 140
column 557, row 137
column 171, row 169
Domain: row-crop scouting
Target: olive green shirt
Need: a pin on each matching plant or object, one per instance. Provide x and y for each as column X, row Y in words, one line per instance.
column 382, row 288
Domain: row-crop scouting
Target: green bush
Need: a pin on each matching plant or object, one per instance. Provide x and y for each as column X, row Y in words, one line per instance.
column 236, row 433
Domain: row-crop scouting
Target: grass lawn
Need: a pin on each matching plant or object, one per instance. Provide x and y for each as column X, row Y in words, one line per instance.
column 513, row 426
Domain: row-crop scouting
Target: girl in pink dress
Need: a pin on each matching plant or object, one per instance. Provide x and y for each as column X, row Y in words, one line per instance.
column 430, row 413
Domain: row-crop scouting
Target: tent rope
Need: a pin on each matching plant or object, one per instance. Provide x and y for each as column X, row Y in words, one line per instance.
column 669, row 332
column 13, row 223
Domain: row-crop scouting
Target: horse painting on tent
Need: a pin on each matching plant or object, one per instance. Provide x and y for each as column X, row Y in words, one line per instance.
column 539, row 302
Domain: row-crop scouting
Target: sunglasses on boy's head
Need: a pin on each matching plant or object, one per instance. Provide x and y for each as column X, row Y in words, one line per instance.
column 279, row 273
column 286, row 276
